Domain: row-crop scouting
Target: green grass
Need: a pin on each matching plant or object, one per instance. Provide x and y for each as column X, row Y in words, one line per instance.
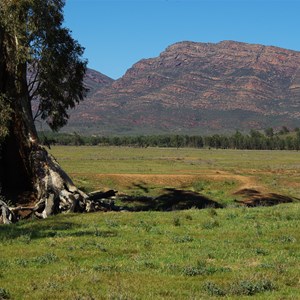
column 232, row 253
column 165, row 160
column 215, row 173
column 192, row 254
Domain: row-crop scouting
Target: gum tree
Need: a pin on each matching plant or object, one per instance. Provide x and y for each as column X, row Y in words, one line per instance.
column 41, row 66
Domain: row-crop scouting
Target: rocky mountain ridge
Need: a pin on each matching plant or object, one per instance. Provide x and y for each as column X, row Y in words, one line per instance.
column 195, row 88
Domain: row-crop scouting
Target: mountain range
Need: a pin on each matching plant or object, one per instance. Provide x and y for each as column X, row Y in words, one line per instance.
column 195, row 88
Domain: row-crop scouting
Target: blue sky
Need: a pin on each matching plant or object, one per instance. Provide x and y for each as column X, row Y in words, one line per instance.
column 118, row 33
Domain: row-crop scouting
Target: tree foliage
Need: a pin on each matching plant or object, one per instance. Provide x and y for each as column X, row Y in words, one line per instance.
column 36, row 42
column 255, row 140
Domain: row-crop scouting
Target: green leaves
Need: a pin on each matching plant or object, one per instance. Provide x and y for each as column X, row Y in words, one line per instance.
column 34, row 37
column 57, row 60
column 61, row 78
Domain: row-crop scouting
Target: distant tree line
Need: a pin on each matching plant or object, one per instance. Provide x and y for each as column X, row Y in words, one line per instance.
column 254, row 140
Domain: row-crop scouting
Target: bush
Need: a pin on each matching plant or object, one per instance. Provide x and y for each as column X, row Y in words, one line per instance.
column 240, row 288
column 176, row 221
column 4, row 294
column 46, row 259
column 214, row 290
column 182, row 239
column 203, row 269
column 250, row 288
column 210, row 224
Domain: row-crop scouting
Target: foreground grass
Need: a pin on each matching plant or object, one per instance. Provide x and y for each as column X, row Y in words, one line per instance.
column 193, row 254
column 235, row 253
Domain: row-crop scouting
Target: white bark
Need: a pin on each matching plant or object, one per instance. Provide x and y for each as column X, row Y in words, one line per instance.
column 6, row 215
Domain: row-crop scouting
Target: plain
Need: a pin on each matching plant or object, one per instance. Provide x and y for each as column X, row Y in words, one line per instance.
column 235, row 252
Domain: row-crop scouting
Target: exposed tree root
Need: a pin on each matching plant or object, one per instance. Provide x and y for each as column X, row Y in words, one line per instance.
column 55, row 192
column 6, row 214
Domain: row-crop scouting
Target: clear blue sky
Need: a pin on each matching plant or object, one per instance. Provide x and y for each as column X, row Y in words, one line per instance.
column 116, row 34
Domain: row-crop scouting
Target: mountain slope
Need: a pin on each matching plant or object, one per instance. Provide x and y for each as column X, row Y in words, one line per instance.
column 196, row 88
column 95, row 80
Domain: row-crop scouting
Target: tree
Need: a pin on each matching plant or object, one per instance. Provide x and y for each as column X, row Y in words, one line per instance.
column 40, row 67
column 237, row 140
column 284, row 130
column 269, row 132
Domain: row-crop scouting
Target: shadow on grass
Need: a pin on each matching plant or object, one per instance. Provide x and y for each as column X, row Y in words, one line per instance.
column 26, row 231
column 253, row 198
column 171, row 199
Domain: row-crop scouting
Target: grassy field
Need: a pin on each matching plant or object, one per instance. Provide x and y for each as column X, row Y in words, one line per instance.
column 232, row 253
column 215, row 173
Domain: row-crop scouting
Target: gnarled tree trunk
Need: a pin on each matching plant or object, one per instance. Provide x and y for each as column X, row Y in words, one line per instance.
column 28, row 167
column 25, row 166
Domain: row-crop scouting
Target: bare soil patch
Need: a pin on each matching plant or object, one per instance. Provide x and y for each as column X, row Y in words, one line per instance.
column 181, row 180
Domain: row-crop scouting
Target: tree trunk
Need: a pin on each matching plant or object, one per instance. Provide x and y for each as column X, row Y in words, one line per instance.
column 25, row 165
column 28, row 169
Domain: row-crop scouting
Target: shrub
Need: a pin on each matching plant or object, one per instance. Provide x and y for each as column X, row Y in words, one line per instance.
column 213, row 290
column 189, row 217
column 199, row 186
column 202, row 269
column 182, row 239
column 287, row 239
column 231, row 216
column 176, row 221
column 240, row 288
column 250, row 288
column 147, row 244
column 46, row 259
column 112, row 223
column 146, row 226
column 4, row 294
column 106, row 268
column 212, row 212
column 22, row 262
column 210, row 224
column 25, row 238
column 260, row 251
